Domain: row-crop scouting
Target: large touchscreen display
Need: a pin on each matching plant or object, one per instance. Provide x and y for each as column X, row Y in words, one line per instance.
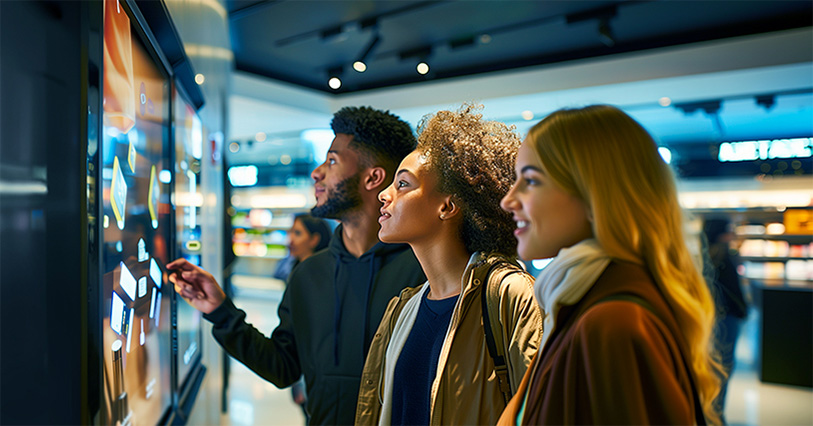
column 188, row 202
column 136, row 321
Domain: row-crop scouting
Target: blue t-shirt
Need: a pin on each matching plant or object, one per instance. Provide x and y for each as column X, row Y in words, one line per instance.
column 416, row 366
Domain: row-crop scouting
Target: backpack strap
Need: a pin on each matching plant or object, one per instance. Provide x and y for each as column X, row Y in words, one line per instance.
column 638, row 300
column 490, row 298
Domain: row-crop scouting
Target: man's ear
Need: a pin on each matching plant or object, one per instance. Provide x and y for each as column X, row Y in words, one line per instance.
column 449, row 208
column 374, row 178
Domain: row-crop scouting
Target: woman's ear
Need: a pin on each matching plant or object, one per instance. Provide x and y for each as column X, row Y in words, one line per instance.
column 374, row 178
column 449, row 208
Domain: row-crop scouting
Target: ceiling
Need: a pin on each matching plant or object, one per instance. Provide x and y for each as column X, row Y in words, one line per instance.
column 306, row 42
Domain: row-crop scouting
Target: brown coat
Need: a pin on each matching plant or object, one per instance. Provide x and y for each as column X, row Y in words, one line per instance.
column 468, row 392
column 610, row 362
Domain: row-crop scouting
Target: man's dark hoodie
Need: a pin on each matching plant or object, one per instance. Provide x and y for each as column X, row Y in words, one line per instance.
column 328, row 315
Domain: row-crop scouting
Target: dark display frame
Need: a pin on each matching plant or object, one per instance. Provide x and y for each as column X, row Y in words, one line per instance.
column 151, row 22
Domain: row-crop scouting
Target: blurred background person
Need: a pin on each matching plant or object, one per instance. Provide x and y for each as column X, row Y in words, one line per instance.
column 307, row 235
column 728, row 297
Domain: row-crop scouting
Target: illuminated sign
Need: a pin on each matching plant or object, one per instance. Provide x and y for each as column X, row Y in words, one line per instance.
column 765, row 149
column 243, row 175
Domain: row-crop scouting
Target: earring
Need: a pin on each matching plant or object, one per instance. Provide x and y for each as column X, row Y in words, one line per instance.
column 443, row 216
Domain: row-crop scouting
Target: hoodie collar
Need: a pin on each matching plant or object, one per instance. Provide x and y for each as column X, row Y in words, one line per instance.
column 342, row 255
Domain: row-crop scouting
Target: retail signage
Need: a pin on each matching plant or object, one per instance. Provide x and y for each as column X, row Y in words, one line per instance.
column 765, row 149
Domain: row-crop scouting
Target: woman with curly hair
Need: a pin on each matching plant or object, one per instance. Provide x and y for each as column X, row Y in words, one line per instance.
column 628, row 316
column 429, row 362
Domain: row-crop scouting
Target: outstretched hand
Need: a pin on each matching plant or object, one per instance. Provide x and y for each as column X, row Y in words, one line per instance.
column 195, row 285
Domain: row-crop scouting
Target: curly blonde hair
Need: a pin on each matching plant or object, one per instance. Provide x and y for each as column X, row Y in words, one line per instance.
column 474, row 162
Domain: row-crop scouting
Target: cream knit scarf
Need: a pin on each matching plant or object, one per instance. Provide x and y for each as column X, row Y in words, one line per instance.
column 566, row 280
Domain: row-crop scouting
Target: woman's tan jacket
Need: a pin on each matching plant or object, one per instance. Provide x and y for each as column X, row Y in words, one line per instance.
column 467, row 390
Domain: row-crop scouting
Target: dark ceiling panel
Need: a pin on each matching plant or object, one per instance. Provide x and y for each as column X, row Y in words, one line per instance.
column 300, row 41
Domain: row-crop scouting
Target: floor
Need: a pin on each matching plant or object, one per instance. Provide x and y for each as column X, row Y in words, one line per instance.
column 253, row 401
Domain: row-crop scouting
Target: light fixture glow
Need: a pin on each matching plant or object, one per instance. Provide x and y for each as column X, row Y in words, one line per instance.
column 260, row 137
column 359, row 66
column 527, row 115
column 165, row 176
column 423, row 68
column 665, row 101
column 540, row 264
column 234, row 147
column 334, row 83
column 666, row 154
column 243, row 175
column 199, row 78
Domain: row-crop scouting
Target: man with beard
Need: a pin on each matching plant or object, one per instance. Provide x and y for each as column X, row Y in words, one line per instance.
column 335, row 298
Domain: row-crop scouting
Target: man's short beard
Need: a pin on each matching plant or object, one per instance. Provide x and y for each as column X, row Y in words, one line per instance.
column 343, row 199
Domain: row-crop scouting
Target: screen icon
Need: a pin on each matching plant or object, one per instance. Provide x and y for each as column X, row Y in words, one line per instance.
column 118, row 193
column 155, row 273
column 127, row 281
column 117, row 313
column 155, row 194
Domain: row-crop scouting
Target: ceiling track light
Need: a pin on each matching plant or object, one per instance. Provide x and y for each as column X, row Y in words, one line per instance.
column 334, row 77
column 360, row 65
column 709, row 107
column 605, row 32
column 766, row 101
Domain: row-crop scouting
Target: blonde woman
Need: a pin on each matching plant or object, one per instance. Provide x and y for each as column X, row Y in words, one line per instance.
column 429, row 362
column 628, row 316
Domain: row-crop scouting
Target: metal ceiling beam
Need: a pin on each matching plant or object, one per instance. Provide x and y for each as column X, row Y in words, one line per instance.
column 251, row 9
column 363, row 22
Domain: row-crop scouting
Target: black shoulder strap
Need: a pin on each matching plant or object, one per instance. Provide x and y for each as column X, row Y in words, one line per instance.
column 629, row 297
column 490, row 296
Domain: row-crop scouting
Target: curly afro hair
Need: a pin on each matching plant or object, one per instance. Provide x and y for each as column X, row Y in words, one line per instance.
column 474, row 161
column 380, row 137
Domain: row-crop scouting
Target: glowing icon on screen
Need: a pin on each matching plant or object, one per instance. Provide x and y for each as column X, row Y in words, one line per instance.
column 117, row 313
column 158, row 310
column 142, row 250
column 142, row 287
column 152, row 201
column 152, row 303
column 106, row 221
column 155, row 273
column 118, row 193
column 131, row 156
column 141, row 335
column 130, row 329
column 127, row 281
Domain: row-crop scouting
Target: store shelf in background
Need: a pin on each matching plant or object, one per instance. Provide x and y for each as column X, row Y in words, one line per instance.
column 259, row 249
column 763, row 191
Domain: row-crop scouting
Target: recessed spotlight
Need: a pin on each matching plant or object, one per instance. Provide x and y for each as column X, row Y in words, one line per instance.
column 485, row 39
column 665, row 101
column 234, row 147
column 423, row 68
column 334, row 83
column 528, row 115
column 199, row 78
column 359, row 66
column 260, row 137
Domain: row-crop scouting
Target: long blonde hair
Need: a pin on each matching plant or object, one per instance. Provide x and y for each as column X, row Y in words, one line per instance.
column 609, row 161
